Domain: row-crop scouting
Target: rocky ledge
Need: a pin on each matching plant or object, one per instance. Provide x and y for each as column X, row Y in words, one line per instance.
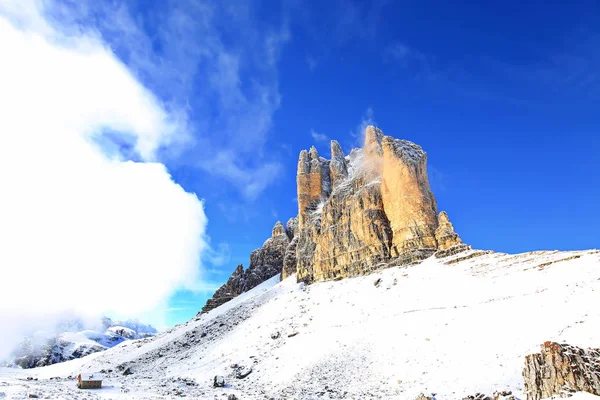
column 560, row 369
column 265, row 263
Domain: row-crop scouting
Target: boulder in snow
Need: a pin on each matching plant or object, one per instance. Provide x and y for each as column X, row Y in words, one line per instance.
column 218, row 381
column 241, row 372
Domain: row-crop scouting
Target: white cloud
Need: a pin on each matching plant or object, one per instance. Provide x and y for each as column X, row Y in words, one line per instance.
column 230, row 86
column 359, row 132
column 319, row 137
column 251, row 181
column 84, row 229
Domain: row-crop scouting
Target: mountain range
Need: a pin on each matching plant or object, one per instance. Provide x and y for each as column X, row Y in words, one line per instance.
column 71, row 340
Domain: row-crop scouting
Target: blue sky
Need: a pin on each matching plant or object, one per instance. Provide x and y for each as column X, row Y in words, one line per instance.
column 503, row 97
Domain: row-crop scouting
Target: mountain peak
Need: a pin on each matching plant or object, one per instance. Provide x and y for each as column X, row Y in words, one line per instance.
column 355, row 214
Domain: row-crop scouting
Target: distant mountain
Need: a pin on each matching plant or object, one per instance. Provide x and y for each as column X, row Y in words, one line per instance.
column 72, row 340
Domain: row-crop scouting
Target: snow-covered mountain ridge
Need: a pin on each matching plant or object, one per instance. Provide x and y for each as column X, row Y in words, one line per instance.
column 72, row 340
column 454, row 326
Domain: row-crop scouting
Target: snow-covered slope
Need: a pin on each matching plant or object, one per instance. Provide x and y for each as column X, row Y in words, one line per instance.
column 452, row 326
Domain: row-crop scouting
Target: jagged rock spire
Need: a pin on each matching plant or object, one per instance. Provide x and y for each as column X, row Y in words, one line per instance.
column 444, row 234
column 278, row 229
column 373, row 138
column 312, row 180
column 338, row 168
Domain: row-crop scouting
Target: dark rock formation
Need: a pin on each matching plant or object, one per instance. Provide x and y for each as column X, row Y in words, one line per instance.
column 265, row 263
column 561, row 369
column 232, row 288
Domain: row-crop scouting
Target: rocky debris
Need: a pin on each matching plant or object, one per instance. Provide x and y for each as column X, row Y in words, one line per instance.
column 218, row 381
column 478, row 396
column 543, row 265
column 468, row 256
column 33, row 396
column 242, row 372
column 421, row 396
column 561, row 369
column 459, row 248
column 503, row 395
column 124, row 369
column 275, row 335
column 411, row 257
column 232, row 397
column 444, row 234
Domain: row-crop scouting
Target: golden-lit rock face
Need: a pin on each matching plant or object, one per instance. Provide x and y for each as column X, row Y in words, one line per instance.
column 407, row 199
column 312, row 176
column 444, row 234
column 338, row 167
column 368, row 210
column 380, row 210
column 348, row 237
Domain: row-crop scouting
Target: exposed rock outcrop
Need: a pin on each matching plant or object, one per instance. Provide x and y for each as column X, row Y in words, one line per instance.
column 291, row 227
column 407, row 199
column 265, row 263
column 233, row 287
column 347, row 237
column 560, row 369
column 313, row 182
column 444, row 234
column 380, row 211
column 357, row 213
column 338, row 168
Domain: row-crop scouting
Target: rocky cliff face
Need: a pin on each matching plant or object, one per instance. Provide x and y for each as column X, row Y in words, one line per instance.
column 372, row 209
column 561, row 369
column 265, row 263
column 358, row 212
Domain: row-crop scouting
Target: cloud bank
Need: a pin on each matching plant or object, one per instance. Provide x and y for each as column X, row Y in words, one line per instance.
column 216, row 61
column 91, row 223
